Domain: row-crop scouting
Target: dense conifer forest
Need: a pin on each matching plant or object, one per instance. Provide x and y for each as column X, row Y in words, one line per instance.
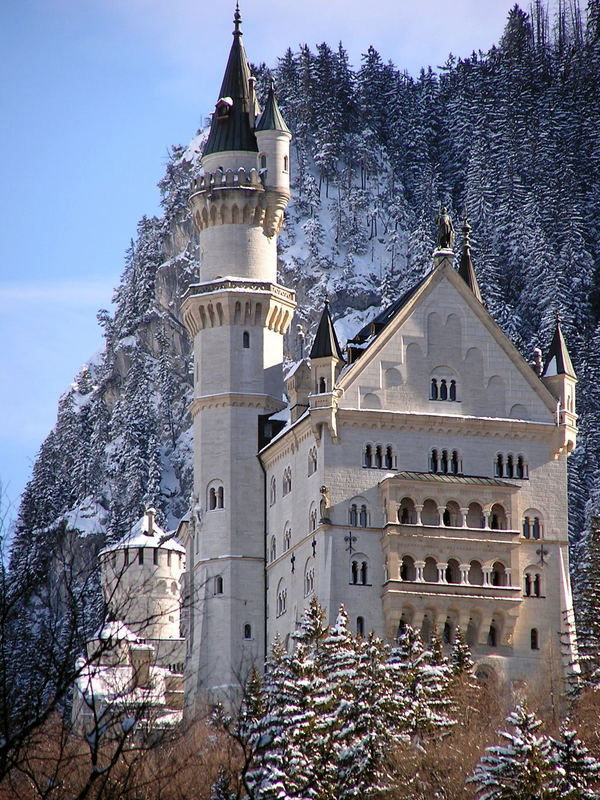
column 510, row 137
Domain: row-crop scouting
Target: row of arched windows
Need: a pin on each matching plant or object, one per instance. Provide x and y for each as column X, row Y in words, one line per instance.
column 473, row 573
column 509, row 466
column 448, row 633
column 443, row 389
column 379, row 456
column 452, row 515
column 445, row 462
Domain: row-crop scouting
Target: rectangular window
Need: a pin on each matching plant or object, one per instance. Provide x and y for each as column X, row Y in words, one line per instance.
column 156, row 556
column 140, row 555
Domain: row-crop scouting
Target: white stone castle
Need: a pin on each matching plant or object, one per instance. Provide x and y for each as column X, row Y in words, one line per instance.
column 418, row 477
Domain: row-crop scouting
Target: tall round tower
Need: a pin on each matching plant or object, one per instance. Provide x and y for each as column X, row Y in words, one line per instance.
column 237, row 315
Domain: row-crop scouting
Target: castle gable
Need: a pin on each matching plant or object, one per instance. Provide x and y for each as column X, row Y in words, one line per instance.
column 442, row 353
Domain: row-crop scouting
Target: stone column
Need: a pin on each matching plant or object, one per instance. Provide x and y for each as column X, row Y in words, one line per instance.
column 464, row 573
column 508, row 571
column 420, row 566
column 487, row 574
column 441, row 568
column 486, row 518
column 441, row 510
column 419, row 509
column 463, row 517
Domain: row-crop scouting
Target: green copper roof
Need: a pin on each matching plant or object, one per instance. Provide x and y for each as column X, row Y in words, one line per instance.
column 231, row 127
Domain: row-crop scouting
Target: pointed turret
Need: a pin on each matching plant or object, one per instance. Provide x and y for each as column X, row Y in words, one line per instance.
column 273, row 138
column 271, row 118
column 326, row 343
column 558, row 360
column 466, row 269
column 559, row 376
column 326, row 354
column 232, row 127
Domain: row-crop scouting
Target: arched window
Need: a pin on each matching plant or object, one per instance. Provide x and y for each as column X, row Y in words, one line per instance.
column 353, row 515
column 245, row 340
column 354, row 572
column 247, row 631
column 363, row 520
column 520, row 467
column 499, row 577
column 312, row 460
column 510, row 467
column 263, row 161
column 499, row 466
column 492, row 638
column 446, row 518
column 452, row 389
column 534, row 639
column 408, row 571
column 364, row 573
column 273, row 549
column 472, row 634
column 273, row 491
column 216, row 496
column 453, row 571
column 430, row 570
column 434, row 389
column 379, row 457
column 447, row 632
column 388, row 460
column 218, row 586
column 443, row 389
column 406, row 512
column 312, row 518
column 444, row 462
column 433, row 461
column 527, row 587
column 287, row 539
column 455, row 463
column 537, row 585
column 526, row 528
column 475, row 574
column 360, row 626
column 536, row 528
column 368, row 456
column 322, row 386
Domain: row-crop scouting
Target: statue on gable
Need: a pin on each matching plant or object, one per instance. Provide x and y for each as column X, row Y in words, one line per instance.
column 445, row 234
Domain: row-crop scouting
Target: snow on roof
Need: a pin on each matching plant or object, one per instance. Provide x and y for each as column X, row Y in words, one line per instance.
column 147, row 533
column 116, row 630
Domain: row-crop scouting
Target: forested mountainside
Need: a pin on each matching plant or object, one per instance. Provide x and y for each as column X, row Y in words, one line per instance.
column 511, row 136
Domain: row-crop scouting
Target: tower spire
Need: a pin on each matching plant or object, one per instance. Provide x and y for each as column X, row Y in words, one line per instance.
column 558, row 361
column 466, row 269
column 237, row 21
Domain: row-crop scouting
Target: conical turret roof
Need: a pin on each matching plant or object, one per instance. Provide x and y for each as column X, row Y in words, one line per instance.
column 232, row 125
column 271, row 119
column 466, row 269
column 326, row 343
column 558, row 360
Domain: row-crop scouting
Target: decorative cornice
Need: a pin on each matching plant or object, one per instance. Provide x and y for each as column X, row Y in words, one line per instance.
column 264, row 402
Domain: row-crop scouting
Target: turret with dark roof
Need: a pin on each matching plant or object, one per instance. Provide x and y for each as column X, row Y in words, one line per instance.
column 558, row 360
column 466, row 269
column 326, row 343
column 271, row 119
column 232, row 126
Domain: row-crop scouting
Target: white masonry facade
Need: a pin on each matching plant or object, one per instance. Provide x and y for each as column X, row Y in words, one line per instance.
column 420, row 477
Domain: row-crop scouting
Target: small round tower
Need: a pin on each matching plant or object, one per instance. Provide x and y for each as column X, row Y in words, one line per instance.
column 140, row 580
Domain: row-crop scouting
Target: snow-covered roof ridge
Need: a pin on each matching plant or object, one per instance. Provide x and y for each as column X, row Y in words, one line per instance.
column 147, row 533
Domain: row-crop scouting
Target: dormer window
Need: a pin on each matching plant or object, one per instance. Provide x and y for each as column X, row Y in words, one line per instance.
column 223, row 107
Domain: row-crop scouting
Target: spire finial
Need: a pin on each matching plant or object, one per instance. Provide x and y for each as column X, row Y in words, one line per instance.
column 237, row 20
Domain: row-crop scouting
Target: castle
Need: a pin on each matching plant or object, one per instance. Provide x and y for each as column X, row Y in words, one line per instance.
column 418, row 477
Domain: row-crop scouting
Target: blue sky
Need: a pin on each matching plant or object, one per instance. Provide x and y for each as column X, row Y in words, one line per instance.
column 93, row 94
